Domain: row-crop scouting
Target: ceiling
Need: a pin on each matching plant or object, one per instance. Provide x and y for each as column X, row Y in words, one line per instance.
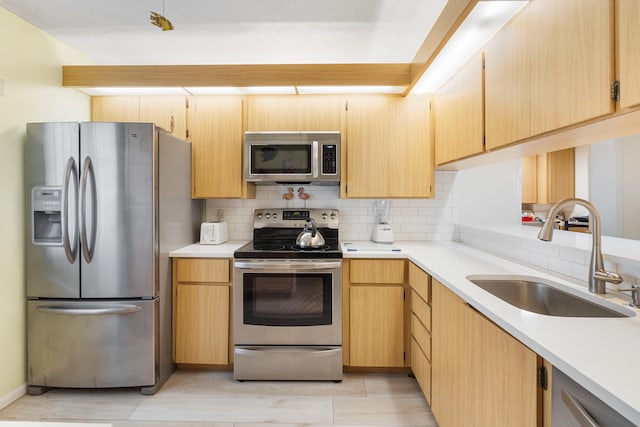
column 118, row 32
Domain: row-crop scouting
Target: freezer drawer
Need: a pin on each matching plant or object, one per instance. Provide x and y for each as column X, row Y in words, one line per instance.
column 91, row 344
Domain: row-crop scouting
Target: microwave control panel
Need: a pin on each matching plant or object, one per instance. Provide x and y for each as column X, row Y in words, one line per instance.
column 329, row 159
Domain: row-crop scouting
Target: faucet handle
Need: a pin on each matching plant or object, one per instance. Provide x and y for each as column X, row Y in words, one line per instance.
column 635, row 295
column 614, row 278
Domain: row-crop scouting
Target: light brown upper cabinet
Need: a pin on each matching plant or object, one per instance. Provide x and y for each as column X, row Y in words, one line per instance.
column 507, row 78
column 549, row 177
column 295, row 112
column 216, row 134
column 168, row 112
column 389, row 149
column 115, row 108
column 459, row 118
column 628, row 53
column 571, row 62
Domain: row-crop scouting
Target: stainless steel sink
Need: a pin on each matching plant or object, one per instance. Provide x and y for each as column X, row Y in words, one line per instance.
column 545, row 297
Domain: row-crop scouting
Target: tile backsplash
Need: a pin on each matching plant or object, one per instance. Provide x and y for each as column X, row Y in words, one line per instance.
column 411, row 219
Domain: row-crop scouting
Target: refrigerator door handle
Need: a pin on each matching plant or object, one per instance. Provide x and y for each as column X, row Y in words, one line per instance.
column 87, row 169
column 94, row 311
column 71, row 252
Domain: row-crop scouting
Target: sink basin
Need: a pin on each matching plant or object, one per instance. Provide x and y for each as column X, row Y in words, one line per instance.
column 545, row 297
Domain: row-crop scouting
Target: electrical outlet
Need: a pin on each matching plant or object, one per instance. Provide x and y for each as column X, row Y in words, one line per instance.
column 220, row 214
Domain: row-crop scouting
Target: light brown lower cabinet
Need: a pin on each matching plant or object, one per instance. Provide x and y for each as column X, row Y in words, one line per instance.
column 201, row 311
column 376, row 313
column 481, row 375
column 420, row 284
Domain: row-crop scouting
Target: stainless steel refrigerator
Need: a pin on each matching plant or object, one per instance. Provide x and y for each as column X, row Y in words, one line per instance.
column 106, row 203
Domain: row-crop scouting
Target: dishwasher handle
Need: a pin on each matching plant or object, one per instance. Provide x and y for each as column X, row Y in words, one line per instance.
column 579, row 413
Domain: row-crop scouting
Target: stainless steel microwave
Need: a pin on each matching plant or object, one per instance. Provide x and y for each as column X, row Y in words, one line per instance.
column 292, row 157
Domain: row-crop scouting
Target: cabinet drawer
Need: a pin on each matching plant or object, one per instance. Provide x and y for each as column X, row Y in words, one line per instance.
column 421, row 309
column 419, row 282
column 421, row 335
column 376, row 271
column 421, row 369
column 202, row 270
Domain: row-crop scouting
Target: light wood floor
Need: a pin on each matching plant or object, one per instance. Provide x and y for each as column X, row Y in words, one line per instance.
column 213, row 399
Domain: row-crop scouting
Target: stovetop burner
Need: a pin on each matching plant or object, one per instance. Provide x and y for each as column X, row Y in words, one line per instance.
column 301, row 249
column 275, row 231
column 269, row 246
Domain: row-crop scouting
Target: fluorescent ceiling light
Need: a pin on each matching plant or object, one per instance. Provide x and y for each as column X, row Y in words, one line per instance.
column 484, row 21
column 251, row 90
column 305, row 90
column 113, row 91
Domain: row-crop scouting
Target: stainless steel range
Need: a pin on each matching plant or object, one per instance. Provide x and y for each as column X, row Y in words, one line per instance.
column 288, row 298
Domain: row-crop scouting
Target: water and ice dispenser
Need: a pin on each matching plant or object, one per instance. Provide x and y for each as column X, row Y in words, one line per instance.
column 46, row 211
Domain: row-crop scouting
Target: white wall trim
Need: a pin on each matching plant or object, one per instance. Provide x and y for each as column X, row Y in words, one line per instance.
column 12, row 396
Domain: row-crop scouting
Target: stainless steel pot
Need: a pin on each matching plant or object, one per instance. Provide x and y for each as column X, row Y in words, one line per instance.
column 310, row 237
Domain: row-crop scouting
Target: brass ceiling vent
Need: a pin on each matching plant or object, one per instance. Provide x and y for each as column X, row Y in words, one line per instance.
column 160, row 21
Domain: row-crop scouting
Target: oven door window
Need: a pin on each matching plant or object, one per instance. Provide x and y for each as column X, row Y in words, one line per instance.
column 286, row 299
column 281, row 159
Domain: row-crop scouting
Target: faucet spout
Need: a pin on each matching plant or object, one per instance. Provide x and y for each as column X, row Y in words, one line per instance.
column 598, row 276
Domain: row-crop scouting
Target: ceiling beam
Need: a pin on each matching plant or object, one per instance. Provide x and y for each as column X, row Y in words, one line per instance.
column 236, row 75
column 450, row 19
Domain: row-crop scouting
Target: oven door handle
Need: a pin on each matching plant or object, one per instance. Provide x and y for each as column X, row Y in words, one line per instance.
column 291, row 265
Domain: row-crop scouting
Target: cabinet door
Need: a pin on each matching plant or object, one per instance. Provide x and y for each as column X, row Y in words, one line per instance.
column 295, row 112
column 452, row 390
column 168, row 112
column 215, row 127
column 628, row 54
column 508, row 394
column 529, row 176
column 411, row 151
column 377, row 326
column 202, row 324
column 377, row 271
column 459, row 120
column 368, row 146
column 507, row 84
column 556, row 176
column 572, row 62
column 389, row 149
column 479, row 372
column 115, row 108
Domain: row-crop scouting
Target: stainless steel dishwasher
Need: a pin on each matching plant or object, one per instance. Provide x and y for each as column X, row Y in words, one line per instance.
column 574, row 406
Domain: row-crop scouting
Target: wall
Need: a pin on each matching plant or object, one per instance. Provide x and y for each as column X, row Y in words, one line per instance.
column 487, row 200
column 412, row 219
column 489, row 195
column 32, row 74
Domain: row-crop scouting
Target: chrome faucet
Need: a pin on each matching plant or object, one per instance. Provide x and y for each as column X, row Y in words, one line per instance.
column 598, row 276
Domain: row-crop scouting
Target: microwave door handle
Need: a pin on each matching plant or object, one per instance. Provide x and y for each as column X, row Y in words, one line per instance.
column 314, row 159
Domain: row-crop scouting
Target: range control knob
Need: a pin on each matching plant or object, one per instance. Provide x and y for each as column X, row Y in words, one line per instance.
column 333, row 216
column 267, row 216
column 274, row 215
column 259, row 216
column 324, row 215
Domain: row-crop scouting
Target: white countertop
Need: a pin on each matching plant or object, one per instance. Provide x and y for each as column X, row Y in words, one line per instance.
column 196, row 250
column 602, row 354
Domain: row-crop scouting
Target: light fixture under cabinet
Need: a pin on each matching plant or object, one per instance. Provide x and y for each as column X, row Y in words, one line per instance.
column 482, row 23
